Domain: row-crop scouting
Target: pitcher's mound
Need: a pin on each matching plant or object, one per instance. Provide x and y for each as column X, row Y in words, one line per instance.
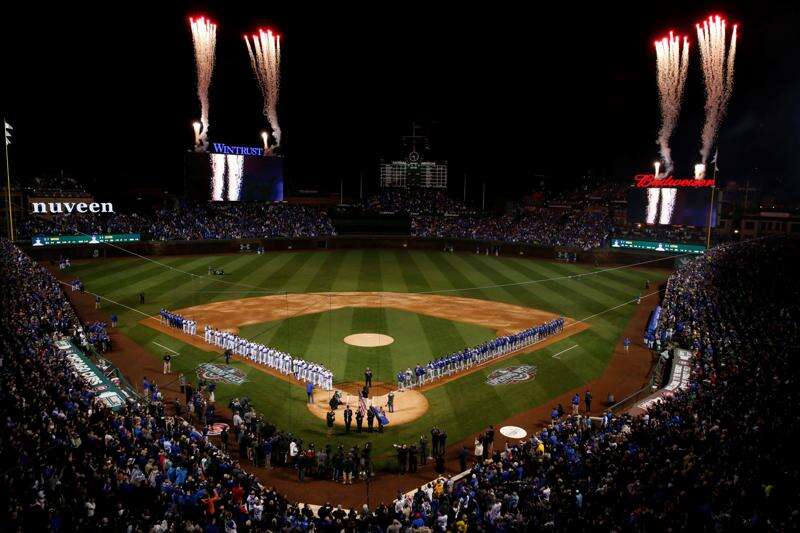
column 369, row 340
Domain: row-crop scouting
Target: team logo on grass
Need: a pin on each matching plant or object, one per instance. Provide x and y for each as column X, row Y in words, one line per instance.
column 217, row 372
column 511, row 374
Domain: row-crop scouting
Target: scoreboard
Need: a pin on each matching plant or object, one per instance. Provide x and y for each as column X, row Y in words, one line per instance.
column 656, row 246
column 53, row 240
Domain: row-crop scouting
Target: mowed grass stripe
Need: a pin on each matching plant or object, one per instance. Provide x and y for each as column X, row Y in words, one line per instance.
column 441, row 336
column 307, row 333
column 211, row 290
column 127, row 276
column 482, row 275
column 179, row 284
column 154, row 283
column 455, row 277
column 349, row 267
column 591, row 286
column 367, row 320
column 567, row 294
column 413, row 278
column 327, row 273
column 280, row 278
column 100, row 269
column 392, row 273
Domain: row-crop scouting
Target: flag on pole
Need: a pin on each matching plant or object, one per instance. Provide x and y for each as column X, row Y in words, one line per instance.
column 8, row 132
column 716, row 153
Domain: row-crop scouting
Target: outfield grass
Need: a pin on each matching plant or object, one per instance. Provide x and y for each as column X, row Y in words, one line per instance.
column 462, row 406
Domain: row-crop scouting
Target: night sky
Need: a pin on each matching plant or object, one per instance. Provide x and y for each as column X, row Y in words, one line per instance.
column 505, row 96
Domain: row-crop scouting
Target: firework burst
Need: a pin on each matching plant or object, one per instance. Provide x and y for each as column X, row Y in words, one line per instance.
column 717, row 61
column 672, row 60
column 204, row 38
column 265, row 59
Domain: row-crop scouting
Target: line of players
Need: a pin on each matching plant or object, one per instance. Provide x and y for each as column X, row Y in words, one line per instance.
column 177, row 321
column 283, row 362
column 468, row 357
column 264, row 355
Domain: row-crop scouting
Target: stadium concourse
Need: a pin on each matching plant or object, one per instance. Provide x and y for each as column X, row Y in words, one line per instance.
column 714, row 455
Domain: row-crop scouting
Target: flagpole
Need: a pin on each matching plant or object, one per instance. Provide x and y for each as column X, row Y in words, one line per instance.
column 8, row 191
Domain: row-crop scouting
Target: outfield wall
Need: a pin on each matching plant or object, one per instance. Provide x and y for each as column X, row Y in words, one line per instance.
column 602, row 256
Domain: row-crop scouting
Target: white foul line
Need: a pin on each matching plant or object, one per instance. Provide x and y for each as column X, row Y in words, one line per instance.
column 165, row 347
column 565, row 350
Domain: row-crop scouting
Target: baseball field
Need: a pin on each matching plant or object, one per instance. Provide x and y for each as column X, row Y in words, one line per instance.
column 424, row 304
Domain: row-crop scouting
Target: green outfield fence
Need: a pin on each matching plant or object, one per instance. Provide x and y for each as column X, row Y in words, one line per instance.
column 600, row 256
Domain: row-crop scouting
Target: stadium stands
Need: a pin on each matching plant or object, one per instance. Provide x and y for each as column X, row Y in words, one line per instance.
column 714, row 456
column 193, row 222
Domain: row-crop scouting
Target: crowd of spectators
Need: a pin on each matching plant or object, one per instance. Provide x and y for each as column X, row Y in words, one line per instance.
column 543, row 226
column 713, row 456
column 414, row 202
column 55, row 185
column 71, row 463
column 192, row 222
column 648, row 232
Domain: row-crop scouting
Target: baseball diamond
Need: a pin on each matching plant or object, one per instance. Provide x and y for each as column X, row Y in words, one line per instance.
column 265, row 272
column 305, row 303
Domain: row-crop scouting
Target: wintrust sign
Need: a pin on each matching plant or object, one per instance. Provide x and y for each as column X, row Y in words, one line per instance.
column 71, row 207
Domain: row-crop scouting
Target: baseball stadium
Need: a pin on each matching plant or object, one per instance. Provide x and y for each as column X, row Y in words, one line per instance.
column 261, row 332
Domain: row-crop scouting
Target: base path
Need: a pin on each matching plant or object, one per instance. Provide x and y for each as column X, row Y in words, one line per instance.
column 503, row 318
column 232, row 314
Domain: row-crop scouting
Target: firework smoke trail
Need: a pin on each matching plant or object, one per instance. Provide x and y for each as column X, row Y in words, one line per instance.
column 668, row 195
column 204, row 38
column 653, row 194
column 717, row 74
column 235, row 169
column 265, row 59
column 217, row 176
column 672, row 61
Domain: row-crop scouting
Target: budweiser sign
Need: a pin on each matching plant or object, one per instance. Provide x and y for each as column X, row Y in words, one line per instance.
column 644, row 181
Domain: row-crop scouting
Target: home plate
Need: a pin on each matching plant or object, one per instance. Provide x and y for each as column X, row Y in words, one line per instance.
column 513, row 432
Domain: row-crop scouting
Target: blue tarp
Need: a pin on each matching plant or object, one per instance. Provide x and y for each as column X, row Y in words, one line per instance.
column 653, row 322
